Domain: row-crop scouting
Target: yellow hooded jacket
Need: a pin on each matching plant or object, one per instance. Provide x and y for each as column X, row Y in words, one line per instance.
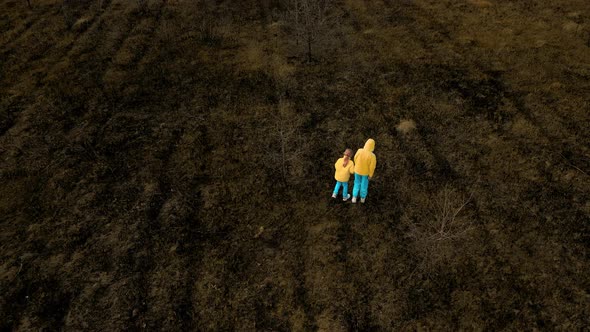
column 365, row 159
column 343, row 173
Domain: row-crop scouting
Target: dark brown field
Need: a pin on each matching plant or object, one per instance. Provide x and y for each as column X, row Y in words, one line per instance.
column 168, row 165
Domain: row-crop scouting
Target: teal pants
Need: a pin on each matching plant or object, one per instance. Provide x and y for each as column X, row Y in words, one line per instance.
column 344, row 188
column 361, row 183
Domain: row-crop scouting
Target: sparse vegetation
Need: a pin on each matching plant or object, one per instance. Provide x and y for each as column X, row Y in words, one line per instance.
column 438, row 235
column 170, row 168
column 310, row 22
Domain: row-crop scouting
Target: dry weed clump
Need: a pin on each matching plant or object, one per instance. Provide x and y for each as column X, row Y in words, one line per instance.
column 289, row 144
column 114, row 78
column 523, row 128
column 571, row 26
column 281, row 69
column 481, row 3
column 311, row 26
column 328, row 323
column 254, row 56
column 129, row 50
column 406, row 126
column 436, row 235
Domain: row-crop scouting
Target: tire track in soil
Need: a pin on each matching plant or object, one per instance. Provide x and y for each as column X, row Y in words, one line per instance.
column 109, row 189
column 135, row 64
column 148, row 230
column 423, row 155
column 366, row 245
column 439, row 171
column 302, row 297
column 191, row 243
column 550, row 196
column 96, row 25
column 517, row 100
column 177, row 241
column 551, row 187
column 495, row 83
column 328, row 260
column 427, row 140
column 524, row 147
column 425, row 38
column 105, row 65
column 443, row 171
column 193, row 249
column 32, row 22
column 324, row 274
column 148, row 247
column 356, row 314
column 40, row 213
column 319, row 254
column 27, row 60
column 491, row 114
column 139, row 260
column 102, row 66
column 499, row 89
column 232, row 267
column 363, row 246
column 433, row 164
column 61, row 52
column 490, row 101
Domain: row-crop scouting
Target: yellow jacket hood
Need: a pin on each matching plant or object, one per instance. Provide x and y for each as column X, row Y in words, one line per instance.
column 370, row 145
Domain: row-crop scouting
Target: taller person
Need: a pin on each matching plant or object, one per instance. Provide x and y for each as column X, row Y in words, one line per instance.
column 364, row 167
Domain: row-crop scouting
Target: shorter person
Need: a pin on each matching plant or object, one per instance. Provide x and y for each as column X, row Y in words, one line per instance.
column 344, row 167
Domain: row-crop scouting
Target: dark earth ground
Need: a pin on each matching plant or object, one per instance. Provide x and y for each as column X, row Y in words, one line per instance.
column 171, row 168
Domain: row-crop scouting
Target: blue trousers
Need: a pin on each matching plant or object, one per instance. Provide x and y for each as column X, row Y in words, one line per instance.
column 344, row 188
column 361, row 183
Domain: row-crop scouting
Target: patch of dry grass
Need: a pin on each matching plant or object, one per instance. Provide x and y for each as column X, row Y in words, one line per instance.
column 481, row 3
column 406, row 126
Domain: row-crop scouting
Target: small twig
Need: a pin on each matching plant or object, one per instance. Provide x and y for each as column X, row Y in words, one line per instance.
column 572, row 165
column 462, row 206
column 19, row 269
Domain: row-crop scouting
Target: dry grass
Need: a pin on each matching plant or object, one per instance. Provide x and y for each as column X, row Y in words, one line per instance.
column 446, row 225
column 406, row 126
column 187, row 154
column 524, row 128
column 481, row 3
column 254, row 56
column 81, row 24
column 572, row 27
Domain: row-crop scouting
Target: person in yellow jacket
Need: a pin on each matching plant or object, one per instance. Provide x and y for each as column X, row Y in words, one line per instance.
column 365, row 162
column 344, row 167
